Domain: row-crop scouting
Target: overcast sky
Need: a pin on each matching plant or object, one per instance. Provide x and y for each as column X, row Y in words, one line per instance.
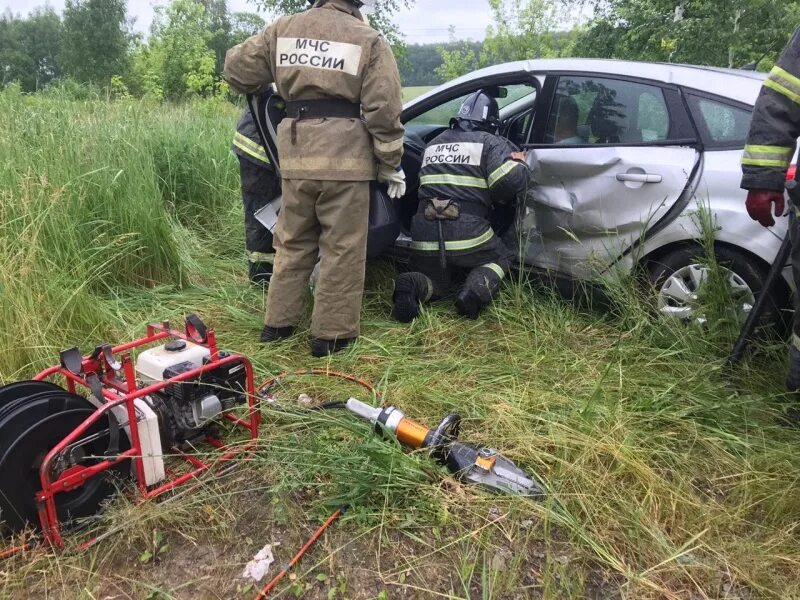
column 426, row 22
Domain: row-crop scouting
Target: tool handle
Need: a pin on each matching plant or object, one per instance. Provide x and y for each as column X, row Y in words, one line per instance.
column 760, row 305
column 363, row 410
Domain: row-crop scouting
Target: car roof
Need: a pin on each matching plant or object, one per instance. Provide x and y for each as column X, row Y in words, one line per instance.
column 740, row 85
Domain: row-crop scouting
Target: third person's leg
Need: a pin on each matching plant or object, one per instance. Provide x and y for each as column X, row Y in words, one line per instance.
column 793, row 379
column 260, row 185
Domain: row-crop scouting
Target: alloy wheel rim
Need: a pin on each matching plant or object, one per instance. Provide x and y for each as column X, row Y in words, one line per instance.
column 680, row 296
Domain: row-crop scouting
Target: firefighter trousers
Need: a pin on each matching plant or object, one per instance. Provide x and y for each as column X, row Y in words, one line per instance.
column 260, row 186
column 329, row 220
column 482, row 270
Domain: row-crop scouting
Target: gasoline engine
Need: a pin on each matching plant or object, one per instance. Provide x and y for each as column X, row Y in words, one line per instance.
column 187, row 409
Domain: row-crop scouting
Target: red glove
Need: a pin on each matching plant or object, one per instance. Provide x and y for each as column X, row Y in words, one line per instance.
column 759, row 206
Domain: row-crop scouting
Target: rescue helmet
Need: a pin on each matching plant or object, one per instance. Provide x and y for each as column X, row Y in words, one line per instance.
column 479, row 111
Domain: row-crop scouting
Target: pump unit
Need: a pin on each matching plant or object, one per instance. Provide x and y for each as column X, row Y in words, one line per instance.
column 65, row 449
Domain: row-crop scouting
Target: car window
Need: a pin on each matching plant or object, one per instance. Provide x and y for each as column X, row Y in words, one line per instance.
column 594, row 110
column 652, row 116
column 441, row 114
column 724, row 125
column 517, row 93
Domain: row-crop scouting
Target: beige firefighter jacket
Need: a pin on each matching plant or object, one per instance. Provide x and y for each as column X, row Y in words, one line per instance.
column 327, row 52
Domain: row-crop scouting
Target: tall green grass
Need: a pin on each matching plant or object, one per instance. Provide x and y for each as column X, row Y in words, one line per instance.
column 96, row 197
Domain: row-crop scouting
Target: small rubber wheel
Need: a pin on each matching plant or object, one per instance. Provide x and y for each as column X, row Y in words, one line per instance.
column 19, row 471
column 22, row 389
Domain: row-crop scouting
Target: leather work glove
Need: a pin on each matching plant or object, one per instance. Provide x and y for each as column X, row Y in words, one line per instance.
column 395, row 180
column 759, row 206
column 519, row 156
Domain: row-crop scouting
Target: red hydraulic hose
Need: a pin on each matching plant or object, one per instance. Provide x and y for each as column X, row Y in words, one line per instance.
column 311, row 541
column 15, row 550
column 353, row 379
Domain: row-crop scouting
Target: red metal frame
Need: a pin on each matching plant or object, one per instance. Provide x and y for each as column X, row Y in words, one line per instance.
column 125, row 392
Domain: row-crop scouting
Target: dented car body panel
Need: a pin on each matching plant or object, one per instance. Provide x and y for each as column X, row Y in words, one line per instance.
column 653, row 144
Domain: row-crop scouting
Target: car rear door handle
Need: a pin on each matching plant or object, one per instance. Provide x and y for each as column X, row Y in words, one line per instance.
column 639, row 177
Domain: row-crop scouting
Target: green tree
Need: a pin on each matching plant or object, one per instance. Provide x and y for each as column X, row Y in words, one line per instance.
column 381, row 17
column 30, row 49
column 457, row 57
column 243, row 25
column 421, row 62
column 728, row 34
column 96, row 40
column 177, row 60
column 521, row 30
column 219, row 31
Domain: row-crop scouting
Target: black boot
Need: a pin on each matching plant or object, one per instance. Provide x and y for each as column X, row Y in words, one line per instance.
column 260, row 272
column 410, row 289
column 793, row 379
column 479, row 290
column 276, row 334
column 468, row 304
column 321, row 348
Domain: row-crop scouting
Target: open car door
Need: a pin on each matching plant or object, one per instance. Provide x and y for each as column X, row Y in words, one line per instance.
column 614, row 159
column 268, row 110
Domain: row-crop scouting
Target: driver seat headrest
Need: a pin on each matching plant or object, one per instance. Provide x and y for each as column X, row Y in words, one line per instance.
column 604, row 120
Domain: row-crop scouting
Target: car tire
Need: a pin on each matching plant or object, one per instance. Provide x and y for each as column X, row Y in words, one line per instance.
column 744, row 268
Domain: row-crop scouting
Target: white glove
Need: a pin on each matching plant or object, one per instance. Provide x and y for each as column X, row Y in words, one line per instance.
column 395, row 180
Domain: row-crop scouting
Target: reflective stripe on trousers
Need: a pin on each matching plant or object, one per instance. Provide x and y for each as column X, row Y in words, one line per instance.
column 261, row 257
column 250, row 147
column 454, row 245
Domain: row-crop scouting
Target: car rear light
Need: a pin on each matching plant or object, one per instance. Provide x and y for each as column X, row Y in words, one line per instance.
column 790, row 174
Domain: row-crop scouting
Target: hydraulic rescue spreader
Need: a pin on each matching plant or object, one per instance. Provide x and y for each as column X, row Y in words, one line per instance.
column 474, row 464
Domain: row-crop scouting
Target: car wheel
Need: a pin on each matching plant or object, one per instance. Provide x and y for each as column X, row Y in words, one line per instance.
column 681, row 278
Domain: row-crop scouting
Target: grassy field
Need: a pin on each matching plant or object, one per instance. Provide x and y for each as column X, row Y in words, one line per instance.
column 668, row 476
column 409, row 93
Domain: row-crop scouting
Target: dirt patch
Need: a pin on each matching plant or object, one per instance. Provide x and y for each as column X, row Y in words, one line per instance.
column 496, row 556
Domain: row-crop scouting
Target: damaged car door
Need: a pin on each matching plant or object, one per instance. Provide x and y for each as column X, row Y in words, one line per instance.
column 613, row 158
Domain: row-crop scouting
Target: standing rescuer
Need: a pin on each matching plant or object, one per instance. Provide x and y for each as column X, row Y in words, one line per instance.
column 465, row 171
column 260, row 185
column 767, row 155
column 343, row 102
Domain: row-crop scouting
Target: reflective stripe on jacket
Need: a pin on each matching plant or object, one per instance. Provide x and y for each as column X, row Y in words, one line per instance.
column 326, row 52
column 776, row 124
column 247, row 142
column 469, row 167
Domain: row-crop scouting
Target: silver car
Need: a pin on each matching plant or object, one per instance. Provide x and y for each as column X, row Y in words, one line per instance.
column 624, row 154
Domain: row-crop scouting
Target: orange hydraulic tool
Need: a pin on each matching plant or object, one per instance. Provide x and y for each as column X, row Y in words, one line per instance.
column 470, row 463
